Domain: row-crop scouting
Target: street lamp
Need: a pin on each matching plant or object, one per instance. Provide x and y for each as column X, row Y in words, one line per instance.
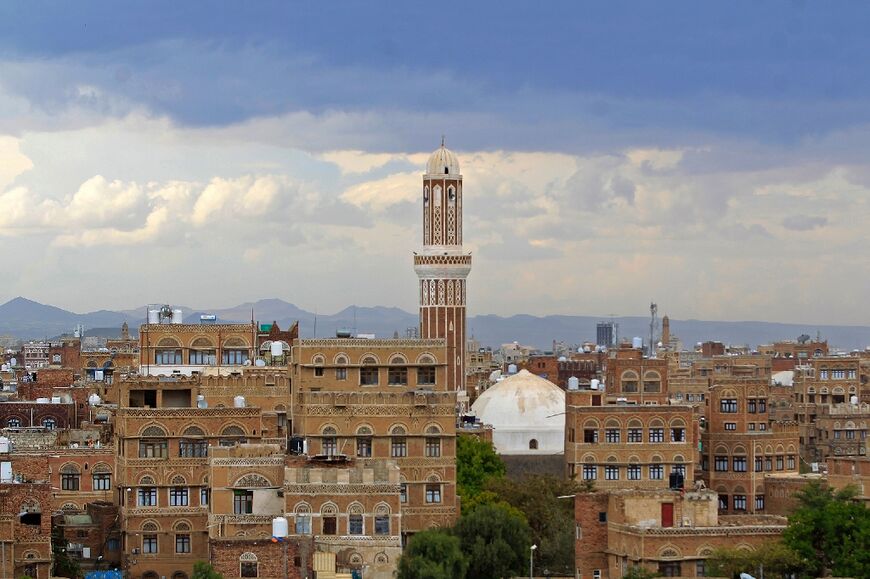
column 532, row 561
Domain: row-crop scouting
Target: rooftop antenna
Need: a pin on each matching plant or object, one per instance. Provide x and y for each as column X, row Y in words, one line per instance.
column 653, row 318
column 442, row 139
column 315, row 322
column 354, row 320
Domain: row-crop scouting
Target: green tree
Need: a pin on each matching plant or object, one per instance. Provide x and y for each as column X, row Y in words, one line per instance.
column 204, row 570
column 550, row 518
column 639, row 572
column 64, row 565
column 495, row 540
column 476, row 463
column 432, row 554
column 776, row 558
column 830, row 531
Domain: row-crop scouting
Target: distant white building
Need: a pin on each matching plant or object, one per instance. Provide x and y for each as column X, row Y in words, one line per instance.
column 527, row 414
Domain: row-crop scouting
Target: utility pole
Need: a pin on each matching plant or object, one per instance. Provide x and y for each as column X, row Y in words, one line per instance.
column 653, row 316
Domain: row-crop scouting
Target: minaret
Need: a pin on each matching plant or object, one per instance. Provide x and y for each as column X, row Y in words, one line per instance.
column 443, row 266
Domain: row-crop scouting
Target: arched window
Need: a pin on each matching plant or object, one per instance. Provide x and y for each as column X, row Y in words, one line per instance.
column 153, row 443
column 70, row 477
column 232, row 435
column 368, row 372
column 49, row 423
column 398, row 443
column 13, row 422
column 248, row 565
column 533, row 444
column 203, row 351
column 628, row 382
column 433, row 441
column 234, row 352
column 364, row 442
column 340, row 371
column 652, row 382
column 426, row 370
column 397, row 375
column 102, row 477
column 303, row 519
column 168, row 352
column 329, row 442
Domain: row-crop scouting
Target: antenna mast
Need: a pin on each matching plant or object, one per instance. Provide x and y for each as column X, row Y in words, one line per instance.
column 653, row 320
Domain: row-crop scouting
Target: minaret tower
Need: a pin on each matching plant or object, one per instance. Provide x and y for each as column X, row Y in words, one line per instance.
column 443, row 266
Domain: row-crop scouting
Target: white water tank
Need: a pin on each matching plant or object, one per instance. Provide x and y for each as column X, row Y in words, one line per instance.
column 177, row 316
column 94, row 399
column 854, row 400
column 200, row 401
column 239, row 401
column 512, row 369
column 4, row 444
column 277, row 349
column 55, row 399
column 259, row 363
column 573, row 383
column 637, row 343
column 594, row 383
column 13, row 362
column 43, row 400
column 153, row 316
column 280, row 528
column 562, row 359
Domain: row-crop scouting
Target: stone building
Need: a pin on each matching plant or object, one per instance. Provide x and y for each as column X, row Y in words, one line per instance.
column 633, row 377
column 669, row 532
column 838, row 430
column 25, row 529
column 740, row 444
column 383, row 399
column 628, row 445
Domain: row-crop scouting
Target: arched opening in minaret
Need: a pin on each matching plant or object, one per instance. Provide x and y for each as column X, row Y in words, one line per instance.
column 446, row 170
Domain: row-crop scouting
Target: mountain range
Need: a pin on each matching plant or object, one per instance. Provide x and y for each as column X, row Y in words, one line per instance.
column 28, row 319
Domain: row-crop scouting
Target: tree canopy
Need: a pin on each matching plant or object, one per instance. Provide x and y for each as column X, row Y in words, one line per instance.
column 495, row 540
column 204, row 570
column 432, row 554
column 476, row 463
column 830, row 531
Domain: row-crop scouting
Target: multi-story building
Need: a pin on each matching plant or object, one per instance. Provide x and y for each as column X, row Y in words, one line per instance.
column 628, row 445
column 36, row 355
column 669, row 532
column 633, row 377
column 740, row 444
column 790, row 353
column 378, row 400
column 838, row 430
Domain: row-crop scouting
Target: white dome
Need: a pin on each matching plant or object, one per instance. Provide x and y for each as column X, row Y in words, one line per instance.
column 524, row 408
column 442, row 162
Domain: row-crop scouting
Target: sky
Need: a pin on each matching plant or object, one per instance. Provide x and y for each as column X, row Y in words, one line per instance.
column 711, row 157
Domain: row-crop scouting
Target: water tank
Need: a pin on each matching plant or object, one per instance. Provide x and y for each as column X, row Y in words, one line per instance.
column 94, row 399
column 4, row 368
column 594, row 383
column 201, row 402
column 4, row 444
column 43, row 400
column 587, row 349
column 153, row 316
column 177, row 316
column 280, row 529
column 637, row 343
column 55, row 399
column 13, row 362
column 239, row 401
column 854, row 400
column 573, row 383
column 259, row 362
column 512, row 369
column 98, row 375
column 277, row 348
column 562, row 359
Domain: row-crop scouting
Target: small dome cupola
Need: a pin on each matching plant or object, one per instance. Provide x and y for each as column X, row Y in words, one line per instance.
column 442, row 162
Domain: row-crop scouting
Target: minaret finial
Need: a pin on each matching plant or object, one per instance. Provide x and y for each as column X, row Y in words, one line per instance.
column 442, row 140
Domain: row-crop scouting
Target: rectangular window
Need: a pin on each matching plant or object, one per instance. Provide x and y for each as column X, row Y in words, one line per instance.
column 739, row 502
column 762, row 426
column 739, row 463
column 611, row 435
column 723, row 502
column 701, row 568
column 153, row 449
column 720, row 464
column 759, row 464
column 590, row 436
column 730, row 426
column 341, row 374
column 629, row 386
column 671, row 569
column 203, row 357
column 355, row 525
column 611, row 473
column 330, row 526
column 318, row 371
column 602, row 516
column 634, row 472
column 203, row 496
column 850, row 434
column 147, row 497
column 398, row 447
column 102, row 481
column 248, row 569
column 762, row 405
column 656, row 434
column 656, row 472
column 329, row 446
column 178, row 497
column 679, row 469
column 678, row 435
column 69, row 481
column 768, row 463
column 368, row 376
column 790, row 462
column 167, row 357
column 364, row 447
column 193, row 448
column 149, row 543
column 635, row 435
column 751, row 406
column 303, row 524
column 397, row 376
column 823, row 375
column 234, row 357
column 182, row 543
column 426, row 375
column 728, row 405
column 750, row 426
column 433, row 447
column 590, row 472
column 779, row 462
column 433, row 493
column 759, row 502
column 382, row 525
column 243, row 502
column 403, row 493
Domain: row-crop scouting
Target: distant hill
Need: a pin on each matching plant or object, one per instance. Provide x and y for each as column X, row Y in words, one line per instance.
column 28, row 319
